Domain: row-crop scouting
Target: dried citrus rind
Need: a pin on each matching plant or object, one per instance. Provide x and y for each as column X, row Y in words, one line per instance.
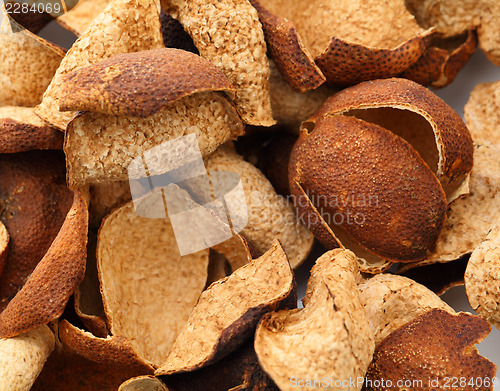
column 481, row 113
column 166, row 284
column 117, row 140
column 23, row 357
column 228, row 311
column 240, row 371
column 55, row 278
column 79, row 18
column 329, row 337
column 27, row 64
column 431, row 348
column 353, row 42
column 269, row 215
column 140, row 84
column 125, row 26
column 218, row 267
column 236, row 251
column 4, row 246
column 22, row 130
column 288, row 52
column 391, row 301
column 143, row 383
column 34, row 201
column 116, row 350
column 423, row 119
column 442, row 60
column 228, row 34
column 482, row 278
column 106, row 196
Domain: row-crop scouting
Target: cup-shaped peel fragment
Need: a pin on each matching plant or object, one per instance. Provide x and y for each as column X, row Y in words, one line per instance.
column 369, row 186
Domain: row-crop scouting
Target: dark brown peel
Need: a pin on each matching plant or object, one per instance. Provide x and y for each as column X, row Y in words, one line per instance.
column 34, row 201
column 21, row 130
column 55, row 278
column 440, row 63
column 288, row 52
column 174, row 35
column 140, row 84
column 228, row 311
column 436, row 345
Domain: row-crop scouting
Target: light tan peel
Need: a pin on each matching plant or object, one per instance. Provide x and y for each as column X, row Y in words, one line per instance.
column 79, row 18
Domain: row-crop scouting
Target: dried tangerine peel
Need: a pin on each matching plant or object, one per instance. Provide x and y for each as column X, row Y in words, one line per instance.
column 22, row 130
column 55, row 278
column 236, row 250
column 23, row 357
column 140, row 84
column 112, row 349
column 27, row 64
column 34, row 201
column 143, row 383
column 442, row 60
column 165, row 284
column 288, row 52
column 79, row 18
column 106, row 196
column 269, row 215
column 4, row 245
column 125, row 26
column 432, row 127
column 482, row 278
column 482, row 115
column 352, row 42
column 228, row 311
column 435, row 345
column 228, row 34
column 329, row 337
column 99, row 147
column 391, row 301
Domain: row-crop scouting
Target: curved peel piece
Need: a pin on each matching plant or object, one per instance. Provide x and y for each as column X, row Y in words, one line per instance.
column 23, row 357
column 391, row 301
column 125, row 26
column 442, row 60
column 22, row 130
column 430, row 349
column 228, row 34
column 329, row 337
column 79, row 18
column 55, row 278
column 482, row 278
column 143, row 383
column 228, row 311
column 140, row 84
column 288, row 52
column 269, row 215
column 27, row 63
column 164, row 284
column 112, row 349
column 105, row 197
column 34, row 202
column 117, row 140
column 416, row 112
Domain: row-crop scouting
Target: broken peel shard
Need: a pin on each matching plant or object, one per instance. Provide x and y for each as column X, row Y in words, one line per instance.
column 143, row 383
column 349, row 41
column 23, row 357
column 436, row 345
column 482, row 278
column 22, row 130
column 390, row 301
column 228, row 311
column 228, row 34
column 329, row 337
column 124, row 26
column 27, row 63
column 55, row 278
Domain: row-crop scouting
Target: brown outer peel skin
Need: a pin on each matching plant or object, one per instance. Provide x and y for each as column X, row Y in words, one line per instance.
column 453, row 139
column 116, row 350
column 345, row 63
column 227, row 327
column 34, row 201
column 329, row 337
column 140, row 84
column 288, row 51
column 438, row 67
column 46, row 292
column 338, row 158
column 21, row 137
column 435, row 345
